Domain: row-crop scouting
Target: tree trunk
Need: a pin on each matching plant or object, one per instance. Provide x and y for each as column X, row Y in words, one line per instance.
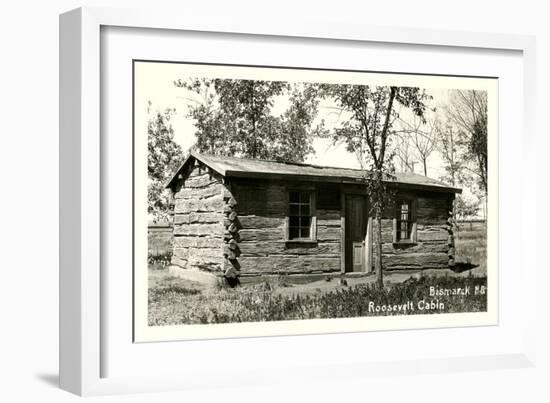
column 378, row 252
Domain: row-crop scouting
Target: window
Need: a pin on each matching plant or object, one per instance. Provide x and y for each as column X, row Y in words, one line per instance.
column 405, row 221
column 300, row 215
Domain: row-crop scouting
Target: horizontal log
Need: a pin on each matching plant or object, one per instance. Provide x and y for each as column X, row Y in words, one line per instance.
column 197, row 242
column 289, row 264
column 325, row 233
column 415, row 260
column 432, row 235
column 329, row 222
column 422, row 247
column 199, row 229
column 212, row 204
column 197, row 217
column 288, row 248
column 198, row 193
column 201, row 181
column 262, row 234
column 254, row 221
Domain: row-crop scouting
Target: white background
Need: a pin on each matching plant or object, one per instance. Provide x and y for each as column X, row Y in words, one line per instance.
column 29, row 281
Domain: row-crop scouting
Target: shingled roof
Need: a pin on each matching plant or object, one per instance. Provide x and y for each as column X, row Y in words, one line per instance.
column 253, row 168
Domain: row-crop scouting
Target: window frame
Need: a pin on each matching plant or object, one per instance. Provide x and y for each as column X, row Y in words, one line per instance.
column 312, row 213
column 412, row 221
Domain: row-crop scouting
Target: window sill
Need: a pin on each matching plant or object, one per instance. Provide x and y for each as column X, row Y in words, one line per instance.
column 301, row 241
column 405, row 243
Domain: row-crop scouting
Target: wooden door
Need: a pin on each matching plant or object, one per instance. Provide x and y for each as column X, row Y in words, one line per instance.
column 356, row 229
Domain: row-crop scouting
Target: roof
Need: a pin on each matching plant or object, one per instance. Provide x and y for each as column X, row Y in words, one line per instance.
column 253, row 168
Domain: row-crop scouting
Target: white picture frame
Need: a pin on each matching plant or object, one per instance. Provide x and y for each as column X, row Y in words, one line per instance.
column 83, row 350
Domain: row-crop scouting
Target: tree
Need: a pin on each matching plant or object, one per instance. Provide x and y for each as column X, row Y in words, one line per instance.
column 163, row 157
column 453, row 152
column 234, row 117
column 404, row 154
column 372, row 115
column 422, row 135
column 468, row 111
column 450, row 153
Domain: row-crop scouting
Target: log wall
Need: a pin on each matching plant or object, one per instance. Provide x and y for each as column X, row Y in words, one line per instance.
column 199, row 220
column 434, row 246
column 238, row 227
column 262, row 249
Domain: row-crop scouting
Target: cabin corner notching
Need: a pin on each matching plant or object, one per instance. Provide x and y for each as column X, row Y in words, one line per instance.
column 238, row 217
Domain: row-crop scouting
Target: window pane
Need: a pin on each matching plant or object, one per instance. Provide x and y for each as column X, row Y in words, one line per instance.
column 305, row 221
column 294, row 221
column 294, row 210
column 304, row 197
column 305, row 232
column 294, row 197
column 304, row 209
column 293, row 232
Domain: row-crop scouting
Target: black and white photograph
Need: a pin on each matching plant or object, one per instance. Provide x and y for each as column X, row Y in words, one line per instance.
column 279, row 194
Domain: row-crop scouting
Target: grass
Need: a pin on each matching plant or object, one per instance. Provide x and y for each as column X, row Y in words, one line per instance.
column 175, row 301
column 471, row 246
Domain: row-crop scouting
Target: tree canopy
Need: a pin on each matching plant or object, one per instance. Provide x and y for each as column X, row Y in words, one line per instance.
column 163, row 157
column 468, row 111
column 236, row 118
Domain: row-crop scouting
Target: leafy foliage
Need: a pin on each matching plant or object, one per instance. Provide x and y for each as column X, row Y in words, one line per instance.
column 163, row 157
column 235, row 118
column 468, row 112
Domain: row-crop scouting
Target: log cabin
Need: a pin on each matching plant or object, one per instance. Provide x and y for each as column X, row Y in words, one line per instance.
column 236, row 217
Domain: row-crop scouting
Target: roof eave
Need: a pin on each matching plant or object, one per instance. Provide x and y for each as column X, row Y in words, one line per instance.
column 334, row 179
column 198, row 157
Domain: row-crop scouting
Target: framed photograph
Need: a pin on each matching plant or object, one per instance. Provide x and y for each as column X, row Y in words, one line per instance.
column 232, row 190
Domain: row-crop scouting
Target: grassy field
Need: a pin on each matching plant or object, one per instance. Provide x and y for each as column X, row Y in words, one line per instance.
column 176, row 301
column 471, row 246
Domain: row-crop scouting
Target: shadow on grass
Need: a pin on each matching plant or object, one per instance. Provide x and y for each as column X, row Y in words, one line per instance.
column 461, row 267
